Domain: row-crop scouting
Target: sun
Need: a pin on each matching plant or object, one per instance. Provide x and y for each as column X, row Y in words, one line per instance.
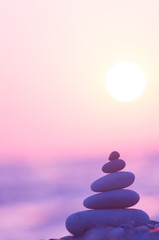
column 125, row 81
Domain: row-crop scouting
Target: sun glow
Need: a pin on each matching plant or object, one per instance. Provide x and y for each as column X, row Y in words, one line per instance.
column 125, row 81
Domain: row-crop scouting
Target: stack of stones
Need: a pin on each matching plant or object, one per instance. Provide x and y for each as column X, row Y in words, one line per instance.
column 110, row 206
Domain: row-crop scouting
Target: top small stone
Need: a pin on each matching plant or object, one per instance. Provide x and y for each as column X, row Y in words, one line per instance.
column 114, row 156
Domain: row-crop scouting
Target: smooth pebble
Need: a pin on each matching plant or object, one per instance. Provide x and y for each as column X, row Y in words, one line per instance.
column 113, row 181
column 80, row 222
column 114, row 199
column 113, row 166
column 114, row 155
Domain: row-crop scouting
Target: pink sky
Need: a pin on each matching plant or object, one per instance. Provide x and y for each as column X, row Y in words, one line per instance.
column 54, row 56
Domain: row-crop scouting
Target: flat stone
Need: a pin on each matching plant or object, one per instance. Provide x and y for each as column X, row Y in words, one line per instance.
column 80, row 222
column 113, row 166
column 114, row 155
column 113, row 181
column 112, row 199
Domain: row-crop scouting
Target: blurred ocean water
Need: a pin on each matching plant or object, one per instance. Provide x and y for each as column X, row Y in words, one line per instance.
column 36, row 200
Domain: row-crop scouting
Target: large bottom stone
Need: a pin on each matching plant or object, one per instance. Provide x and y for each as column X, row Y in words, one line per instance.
column 80, row 222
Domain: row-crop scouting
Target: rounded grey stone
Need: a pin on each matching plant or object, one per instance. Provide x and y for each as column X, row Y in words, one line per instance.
column 113, row 181
column 114, row 155
column 80, row 222
column 113, row 166
column 122, row 198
